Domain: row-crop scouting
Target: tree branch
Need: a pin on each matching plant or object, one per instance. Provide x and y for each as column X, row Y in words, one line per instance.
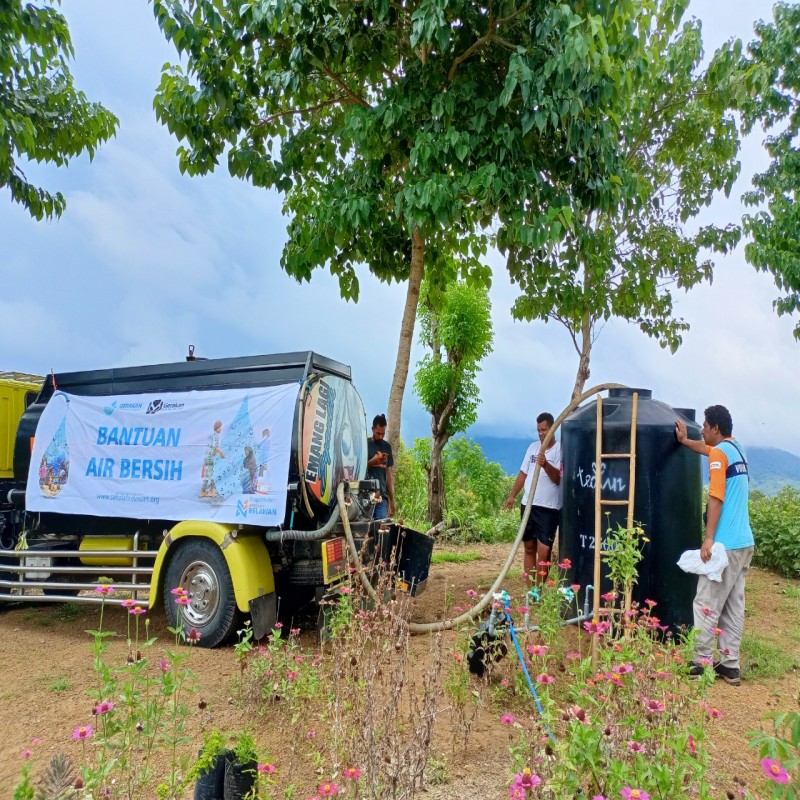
column 299, row 111
column 345, row 88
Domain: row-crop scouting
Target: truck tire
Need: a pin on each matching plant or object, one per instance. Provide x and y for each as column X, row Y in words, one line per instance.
column 306, row 572
column 199, row 566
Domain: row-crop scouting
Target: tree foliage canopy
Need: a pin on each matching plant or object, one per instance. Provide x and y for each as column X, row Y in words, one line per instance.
column 43, row 117
column 774, row 227
column 459, row 336
column 379, row 118
column 679, row 146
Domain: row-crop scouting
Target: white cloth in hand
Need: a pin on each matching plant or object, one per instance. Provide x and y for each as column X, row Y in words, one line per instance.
column 691, row 561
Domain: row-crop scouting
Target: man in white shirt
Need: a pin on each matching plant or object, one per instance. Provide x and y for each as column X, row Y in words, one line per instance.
column 540, row 532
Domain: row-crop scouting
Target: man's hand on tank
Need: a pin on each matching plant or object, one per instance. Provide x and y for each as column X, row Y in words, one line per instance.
column 681, row 431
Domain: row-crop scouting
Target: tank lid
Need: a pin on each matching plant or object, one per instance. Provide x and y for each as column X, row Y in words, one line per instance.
column 689, row 413
column 628, row 392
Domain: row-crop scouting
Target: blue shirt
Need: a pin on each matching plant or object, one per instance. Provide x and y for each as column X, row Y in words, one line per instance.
column 726, row 462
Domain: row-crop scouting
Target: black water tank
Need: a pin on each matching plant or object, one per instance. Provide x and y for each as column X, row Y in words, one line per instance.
column 667, row 503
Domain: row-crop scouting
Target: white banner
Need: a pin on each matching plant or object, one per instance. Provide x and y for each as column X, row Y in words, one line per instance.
column 220, row 455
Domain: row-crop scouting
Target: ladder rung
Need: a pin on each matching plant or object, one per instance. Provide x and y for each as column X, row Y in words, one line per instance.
column 614, row 502
column 615, row 455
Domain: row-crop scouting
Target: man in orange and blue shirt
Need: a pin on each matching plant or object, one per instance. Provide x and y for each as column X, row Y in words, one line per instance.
column 719, row 605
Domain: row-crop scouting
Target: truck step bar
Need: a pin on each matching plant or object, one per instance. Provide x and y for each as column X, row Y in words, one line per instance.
column 18, row 580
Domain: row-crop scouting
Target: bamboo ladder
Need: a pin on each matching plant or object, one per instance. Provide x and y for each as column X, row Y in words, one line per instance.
column 600, row 502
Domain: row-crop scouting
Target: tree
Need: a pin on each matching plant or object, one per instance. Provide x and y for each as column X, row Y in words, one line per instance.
column 459, row 335
column 398, row 132
column 680, row 144
column 42, row 116
column 775, row 229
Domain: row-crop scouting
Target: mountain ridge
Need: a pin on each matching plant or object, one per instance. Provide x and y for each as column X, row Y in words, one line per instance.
column 770, row 467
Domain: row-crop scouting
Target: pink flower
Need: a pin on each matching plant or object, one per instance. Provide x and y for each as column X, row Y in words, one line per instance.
column 343, row 590
column 707, row 611
column 537, row 649
column 527, row 779
column 128, row 602
column 516, row 792
column 654, row 706
column 565, row 564
column 84, row 732
column 714, row 713
column 774, row 771
column 266, row 769
column 137, row 610
column 719, row 631
column 178, row 591
column 544, row 678
column 27, row 754
column 635, row 747
column 471, row 593
column 651, row 603
column 691, row 745
column 104, row 589
column 292, row 675
column 573, row 655
column 294, row 631
column 103, row 708
column 576, row 587
column 598, row 628
column 599, row 797
column 507, row 719
column 580, row 715
column 311, row 735
column 279, row 625
column 193, row 636
column 608, row 597
column 634, row 794
column 504, row 682
column 354, row 773
column 522, row 609
column 182, row 600
column 623, row 669
column 328, row 789
column 163, row 665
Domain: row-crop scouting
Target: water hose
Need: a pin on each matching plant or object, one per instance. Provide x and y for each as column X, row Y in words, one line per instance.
column 478, row 608
column 505, row 598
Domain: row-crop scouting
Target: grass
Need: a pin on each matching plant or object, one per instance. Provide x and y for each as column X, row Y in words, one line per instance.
column 454, row 558
column 59, row 686
column 762, row 659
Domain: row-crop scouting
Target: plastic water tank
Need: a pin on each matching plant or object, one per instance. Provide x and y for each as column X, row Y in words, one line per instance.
column 667, row 501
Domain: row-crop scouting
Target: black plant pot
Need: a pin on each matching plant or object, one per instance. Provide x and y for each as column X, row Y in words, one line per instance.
column 240, row 778
column 211, row 785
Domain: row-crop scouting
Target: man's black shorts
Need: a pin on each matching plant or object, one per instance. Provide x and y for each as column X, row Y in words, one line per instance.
column 542, row 525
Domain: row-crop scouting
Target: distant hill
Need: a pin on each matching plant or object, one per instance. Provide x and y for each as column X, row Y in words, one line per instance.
column 770, row 468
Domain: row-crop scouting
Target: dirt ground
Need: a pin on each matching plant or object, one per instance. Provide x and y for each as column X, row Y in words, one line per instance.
column 46, row 667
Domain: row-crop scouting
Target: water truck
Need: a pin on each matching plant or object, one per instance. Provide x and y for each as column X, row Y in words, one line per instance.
column 217, row 477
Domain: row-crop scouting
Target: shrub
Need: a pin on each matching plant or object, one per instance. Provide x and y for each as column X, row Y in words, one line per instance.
column 474, row 491
column 776, row 527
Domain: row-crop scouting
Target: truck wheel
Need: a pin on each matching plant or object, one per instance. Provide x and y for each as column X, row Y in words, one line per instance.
column 306, row 572
column 199, row 567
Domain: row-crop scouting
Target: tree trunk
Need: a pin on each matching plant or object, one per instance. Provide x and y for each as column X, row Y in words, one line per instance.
column 585, row 354
column 436, row 479
column 394, row 412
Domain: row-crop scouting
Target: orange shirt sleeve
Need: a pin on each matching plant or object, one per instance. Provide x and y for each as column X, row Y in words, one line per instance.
column 717, row 469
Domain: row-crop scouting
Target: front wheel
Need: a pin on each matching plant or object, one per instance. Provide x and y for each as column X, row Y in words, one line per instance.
column 200, row 568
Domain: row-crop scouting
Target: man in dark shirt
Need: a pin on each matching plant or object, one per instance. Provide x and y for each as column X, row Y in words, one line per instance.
column 379, row 464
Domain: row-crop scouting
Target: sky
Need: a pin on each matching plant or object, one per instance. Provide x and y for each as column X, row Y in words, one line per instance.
column 145, row 262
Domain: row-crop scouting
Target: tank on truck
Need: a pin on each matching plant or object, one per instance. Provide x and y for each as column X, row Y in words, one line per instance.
column 214, row 477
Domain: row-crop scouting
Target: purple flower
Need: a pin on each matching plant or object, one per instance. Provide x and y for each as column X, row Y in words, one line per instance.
column 774, row 771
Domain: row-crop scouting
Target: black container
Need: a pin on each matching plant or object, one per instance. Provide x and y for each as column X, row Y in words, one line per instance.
column 240, row 778
column 667, row 501
column 409, row 552
column 211, row 785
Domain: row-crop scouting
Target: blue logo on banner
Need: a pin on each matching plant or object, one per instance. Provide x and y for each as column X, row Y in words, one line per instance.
column 241, row 508
column 110, row 409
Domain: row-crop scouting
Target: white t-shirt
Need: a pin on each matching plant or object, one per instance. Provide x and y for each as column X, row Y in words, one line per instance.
column 547, row 494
